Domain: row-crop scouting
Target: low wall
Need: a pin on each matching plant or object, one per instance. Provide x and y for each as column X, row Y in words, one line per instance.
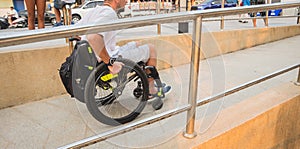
column 31, row 75
column 278, row 128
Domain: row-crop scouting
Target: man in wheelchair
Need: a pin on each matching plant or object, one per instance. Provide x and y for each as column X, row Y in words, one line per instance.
column 104, row 46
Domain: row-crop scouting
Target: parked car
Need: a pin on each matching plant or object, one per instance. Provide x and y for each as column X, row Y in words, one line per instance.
column 212, row 4
column 277, row 12
column 79, row 12
column 49, row 17
column 3, row 23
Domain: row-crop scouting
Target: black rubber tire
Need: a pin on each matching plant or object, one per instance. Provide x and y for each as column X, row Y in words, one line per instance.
column 52, row 21
column 104, row 108
column 76, row 18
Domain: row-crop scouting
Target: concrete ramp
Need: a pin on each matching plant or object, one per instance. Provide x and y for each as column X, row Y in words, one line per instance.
column 263, row 116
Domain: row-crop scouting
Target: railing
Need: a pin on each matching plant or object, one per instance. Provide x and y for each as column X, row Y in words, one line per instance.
column 158, row 117
column 65, row 32
column 196, row 16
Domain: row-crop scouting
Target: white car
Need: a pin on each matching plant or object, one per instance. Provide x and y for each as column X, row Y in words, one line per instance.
column 124, row 12
column 79, row 12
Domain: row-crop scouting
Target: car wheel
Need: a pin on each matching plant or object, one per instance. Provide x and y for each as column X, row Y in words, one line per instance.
column 2, row 25
column 53, row 21
column 24, row 25
column 76, row 18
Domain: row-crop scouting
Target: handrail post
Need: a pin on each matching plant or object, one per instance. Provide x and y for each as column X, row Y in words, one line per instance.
column 194, row 71
column 222, row 17
column 298, row 80
column 266, row 20
column 158, row 12
column 298, row 18
column 67, row 21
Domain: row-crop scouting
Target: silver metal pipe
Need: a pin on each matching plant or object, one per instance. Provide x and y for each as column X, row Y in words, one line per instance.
column 298, row 80
column 266, row 20
column 158, row 3
column 298, row 19
column 194, row 71
column 248, row 84
column 67, row 31
column 222, row 17
column 248, row 18
column 126, row 128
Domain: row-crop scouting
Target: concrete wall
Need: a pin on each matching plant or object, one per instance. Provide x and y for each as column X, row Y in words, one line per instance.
column 28, row 75
column 278, row 128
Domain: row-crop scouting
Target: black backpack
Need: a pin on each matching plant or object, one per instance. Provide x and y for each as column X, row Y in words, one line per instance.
column 77, row 68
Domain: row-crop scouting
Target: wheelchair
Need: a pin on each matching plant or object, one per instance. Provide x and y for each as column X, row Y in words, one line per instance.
column 113, row 99
column 120, row 98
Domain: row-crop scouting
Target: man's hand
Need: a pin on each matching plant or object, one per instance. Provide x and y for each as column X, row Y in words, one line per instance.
column 116, row 67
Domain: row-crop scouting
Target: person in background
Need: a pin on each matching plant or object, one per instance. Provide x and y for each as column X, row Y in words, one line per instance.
column 58, row 14
column 41, row 6
column 12, row 15
column 49, row 7
column 244, row 3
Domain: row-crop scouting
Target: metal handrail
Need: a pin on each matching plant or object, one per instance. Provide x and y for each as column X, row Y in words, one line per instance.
column 67, row 31
column 249, row 84
column 127, row 128
column 248, row 18
column 167, row 114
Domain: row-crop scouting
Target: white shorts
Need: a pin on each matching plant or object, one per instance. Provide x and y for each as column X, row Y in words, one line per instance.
column 134, row 53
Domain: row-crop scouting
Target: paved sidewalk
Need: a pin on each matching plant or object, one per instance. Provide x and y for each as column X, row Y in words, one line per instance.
column 149, row 31
column 57, row 121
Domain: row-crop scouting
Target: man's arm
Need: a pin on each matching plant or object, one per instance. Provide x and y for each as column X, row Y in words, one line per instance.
column 97, row 43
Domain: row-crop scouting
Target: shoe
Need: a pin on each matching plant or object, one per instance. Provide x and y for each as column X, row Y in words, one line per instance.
column 240, row 21
column 165, row 89
column 57, row 24
column 245, row 22
column 162, row 84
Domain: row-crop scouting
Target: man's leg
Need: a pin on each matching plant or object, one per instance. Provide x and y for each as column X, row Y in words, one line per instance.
column 152, row 61
column 146, row 53
column 57, row 15
column 9, row 20
column 70, row 16
column 254, row 21
column 30, row 4
column 41, row 6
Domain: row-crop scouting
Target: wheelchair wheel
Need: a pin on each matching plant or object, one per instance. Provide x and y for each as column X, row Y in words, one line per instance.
column 110, row 99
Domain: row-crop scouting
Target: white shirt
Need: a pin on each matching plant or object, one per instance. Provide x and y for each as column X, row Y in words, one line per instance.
column 13, row 13
column 98, row 15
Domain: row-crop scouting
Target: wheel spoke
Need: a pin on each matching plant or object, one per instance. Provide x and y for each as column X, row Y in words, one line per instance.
column 113, row 101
